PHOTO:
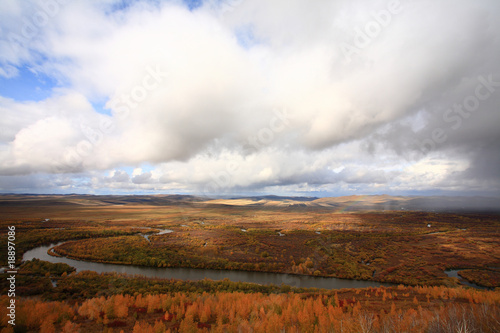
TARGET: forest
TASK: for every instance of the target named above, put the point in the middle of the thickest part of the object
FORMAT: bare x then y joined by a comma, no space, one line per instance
397,309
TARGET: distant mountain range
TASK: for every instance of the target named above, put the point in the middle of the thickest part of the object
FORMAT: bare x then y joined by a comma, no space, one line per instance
374,202
352,203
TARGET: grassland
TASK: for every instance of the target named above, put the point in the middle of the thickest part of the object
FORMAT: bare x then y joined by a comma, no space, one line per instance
411,248
414,248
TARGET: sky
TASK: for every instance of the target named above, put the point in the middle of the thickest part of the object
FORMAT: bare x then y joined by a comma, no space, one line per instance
242,97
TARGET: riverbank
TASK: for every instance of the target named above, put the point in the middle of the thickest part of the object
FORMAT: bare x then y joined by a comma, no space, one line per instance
192,274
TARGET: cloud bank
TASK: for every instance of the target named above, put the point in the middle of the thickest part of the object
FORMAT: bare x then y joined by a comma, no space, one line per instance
292,97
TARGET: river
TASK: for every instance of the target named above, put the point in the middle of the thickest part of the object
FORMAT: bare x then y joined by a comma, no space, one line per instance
300,281
453,273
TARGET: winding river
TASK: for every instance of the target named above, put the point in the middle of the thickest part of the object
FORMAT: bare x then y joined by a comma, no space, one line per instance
193,274
453,273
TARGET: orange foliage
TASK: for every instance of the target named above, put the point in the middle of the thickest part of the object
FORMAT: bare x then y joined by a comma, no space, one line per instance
256,312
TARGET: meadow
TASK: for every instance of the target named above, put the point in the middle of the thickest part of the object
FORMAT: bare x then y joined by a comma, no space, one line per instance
412,249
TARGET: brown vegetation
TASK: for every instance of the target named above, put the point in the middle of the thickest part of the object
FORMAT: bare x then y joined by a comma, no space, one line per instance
390,246
396,247
485,277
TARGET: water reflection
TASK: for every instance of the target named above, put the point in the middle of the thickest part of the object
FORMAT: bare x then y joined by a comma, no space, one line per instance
199,274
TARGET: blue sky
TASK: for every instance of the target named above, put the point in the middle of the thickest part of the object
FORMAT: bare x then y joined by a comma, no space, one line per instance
28,85
245,96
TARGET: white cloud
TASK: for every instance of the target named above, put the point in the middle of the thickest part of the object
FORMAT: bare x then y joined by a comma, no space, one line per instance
190,91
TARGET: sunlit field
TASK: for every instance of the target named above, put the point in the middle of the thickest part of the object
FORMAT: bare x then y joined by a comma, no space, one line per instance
413,250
